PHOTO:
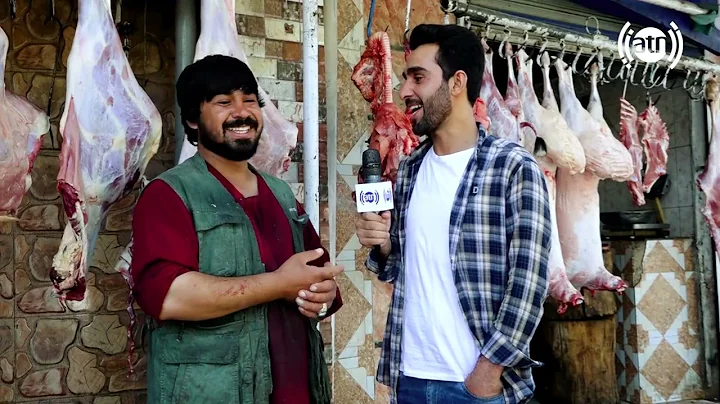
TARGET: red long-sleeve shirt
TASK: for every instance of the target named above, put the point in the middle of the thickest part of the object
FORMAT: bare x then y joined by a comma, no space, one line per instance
165,246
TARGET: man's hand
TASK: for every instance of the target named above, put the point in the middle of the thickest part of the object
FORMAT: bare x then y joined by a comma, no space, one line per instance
310,302
374,230
296,275
484,380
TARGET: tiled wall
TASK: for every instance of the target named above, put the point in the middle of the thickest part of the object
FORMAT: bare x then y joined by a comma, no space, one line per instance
659,357
77,353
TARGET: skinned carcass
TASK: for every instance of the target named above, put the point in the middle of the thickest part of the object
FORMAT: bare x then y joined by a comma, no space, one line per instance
22,126
556,145
578,201
709,180
392,134
110,130
512,100
480,113
655,141
505,124
629,137
219,36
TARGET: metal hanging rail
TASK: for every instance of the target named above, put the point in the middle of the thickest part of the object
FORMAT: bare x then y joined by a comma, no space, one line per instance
541,30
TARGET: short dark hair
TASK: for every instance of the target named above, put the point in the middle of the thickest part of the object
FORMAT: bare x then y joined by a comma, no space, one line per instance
458,49
206,78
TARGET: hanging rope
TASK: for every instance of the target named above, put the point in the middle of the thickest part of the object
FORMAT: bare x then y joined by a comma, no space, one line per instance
370,18
408,7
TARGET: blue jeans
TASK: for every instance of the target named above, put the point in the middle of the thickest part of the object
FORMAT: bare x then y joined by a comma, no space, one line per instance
420,391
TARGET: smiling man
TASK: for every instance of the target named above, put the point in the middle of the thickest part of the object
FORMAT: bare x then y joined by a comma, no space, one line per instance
467,244
225,262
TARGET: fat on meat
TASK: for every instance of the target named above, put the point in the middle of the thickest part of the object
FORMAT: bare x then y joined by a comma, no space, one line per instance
512,100
578,201
110,130
709,180
655,141
505,124
561,147
629,137
392,135
22,126
219,36
480,113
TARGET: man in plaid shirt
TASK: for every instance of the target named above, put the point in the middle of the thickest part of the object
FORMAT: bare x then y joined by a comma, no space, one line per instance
467,245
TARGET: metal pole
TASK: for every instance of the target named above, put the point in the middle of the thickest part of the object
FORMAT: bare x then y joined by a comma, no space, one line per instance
331,105
311,108
537,29
185,38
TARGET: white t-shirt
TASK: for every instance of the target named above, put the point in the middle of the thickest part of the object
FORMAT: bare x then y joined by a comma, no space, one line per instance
437,343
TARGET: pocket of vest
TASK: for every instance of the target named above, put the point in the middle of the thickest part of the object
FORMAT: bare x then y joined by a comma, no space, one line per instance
208,368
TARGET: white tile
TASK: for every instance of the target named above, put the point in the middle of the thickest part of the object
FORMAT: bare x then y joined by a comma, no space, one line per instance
346,255
263,67
253,46
353,243
320,2
349,267
355,39
358,337
291,175
368,292
282,30
370,389
291,110
350,180
356,277
349,352
369,323
281,90
354,157
344,169
299,191
349,363
360,376
352,56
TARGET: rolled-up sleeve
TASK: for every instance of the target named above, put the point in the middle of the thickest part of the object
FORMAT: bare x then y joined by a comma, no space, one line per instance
529,231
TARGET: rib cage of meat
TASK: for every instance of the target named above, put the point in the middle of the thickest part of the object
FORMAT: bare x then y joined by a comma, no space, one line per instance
219,35
709,180
629,138
578,201
504,124
655,141
392,134
526,131
561,142
22,126
110,129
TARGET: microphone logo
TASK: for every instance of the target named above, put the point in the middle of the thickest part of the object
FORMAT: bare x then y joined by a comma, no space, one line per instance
650,45
369,197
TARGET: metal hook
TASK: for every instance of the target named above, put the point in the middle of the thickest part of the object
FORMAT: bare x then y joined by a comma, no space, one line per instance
542,49
592,57
631,72
597,26
523,45
486,34
574,62
697,95
653,82
685,82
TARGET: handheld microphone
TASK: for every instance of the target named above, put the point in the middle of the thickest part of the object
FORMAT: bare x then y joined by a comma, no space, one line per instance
374,194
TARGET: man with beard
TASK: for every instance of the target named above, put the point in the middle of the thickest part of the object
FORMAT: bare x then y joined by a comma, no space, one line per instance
467,244
225,262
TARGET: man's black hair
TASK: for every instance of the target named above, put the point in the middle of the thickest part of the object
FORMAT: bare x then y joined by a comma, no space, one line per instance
207,78
458,49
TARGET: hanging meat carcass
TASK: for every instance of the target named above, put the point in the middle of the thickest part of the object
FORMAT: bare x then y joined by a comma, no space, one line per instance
22,126
655,141
629,137
219,36
480,113
561,148
505,124
110,130
512,100
578,201
709,181
392,134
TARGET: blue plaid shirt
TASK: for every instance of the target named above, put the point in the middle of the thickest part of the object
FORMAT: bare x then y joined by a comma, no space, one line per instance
499,245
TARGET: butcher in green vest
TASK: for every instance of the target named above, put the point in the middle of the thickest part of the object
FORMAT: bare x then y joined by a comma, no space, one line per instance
225,262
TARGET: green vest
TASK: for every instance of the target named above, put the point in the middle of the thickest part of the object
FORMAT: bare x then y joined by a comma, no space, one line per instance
224,360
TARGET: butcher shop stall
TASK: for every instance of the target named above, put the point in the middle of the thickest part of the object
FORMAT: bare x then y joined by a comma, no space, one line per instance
628,142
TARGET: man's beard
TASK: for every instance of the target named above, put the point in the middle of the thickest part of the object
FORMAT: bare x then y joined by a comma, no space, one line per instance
231,149
435,110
